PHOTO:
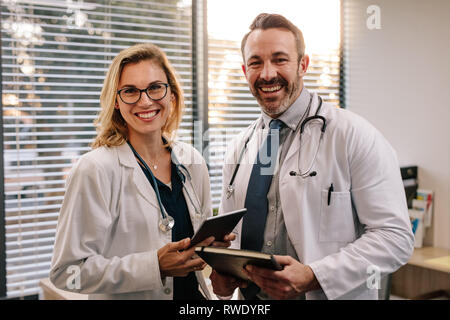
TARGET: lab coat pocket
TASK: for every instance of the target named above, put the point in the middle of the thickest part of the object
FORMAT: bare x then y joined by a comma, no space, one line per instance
336,218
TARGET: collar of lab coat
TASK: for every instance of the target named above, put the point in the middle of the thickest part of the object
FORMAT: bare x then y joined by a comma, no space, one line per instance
127,159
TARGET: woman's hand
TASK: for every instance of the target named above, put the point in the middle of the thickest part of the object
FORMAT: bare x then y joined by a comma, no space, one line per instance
175,261
225,242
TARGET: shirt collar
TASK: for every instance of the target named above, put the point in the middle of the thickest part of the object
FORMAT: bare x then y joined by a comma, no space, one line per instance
292,116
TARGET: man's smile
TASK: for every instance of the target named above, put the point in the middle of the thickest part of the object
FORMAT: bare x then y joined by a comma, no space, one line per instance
270,89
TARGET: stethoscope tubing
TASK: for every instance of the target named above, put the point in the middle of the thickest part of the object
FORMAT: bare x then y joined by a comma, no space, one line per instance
230,188
179,166
166,218
155,184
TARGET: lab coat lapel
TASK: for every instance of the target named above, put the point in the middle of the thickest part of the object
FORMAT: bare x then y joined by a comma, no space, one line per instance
292,196
246,164
189,192
182,156
127,159
292,189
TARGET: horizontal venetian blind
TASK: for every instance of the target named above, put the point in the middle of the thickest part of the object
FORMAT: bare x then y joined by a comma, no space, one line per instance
55,55
232,107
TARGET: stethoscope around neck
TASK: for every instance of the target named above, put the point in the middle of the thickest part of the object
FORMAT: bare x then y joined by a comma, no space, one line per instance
167,222
303,123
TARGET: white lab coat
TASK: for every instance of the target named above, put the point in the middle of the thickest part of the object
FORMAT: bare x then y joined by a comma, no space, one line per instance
109,226
365,228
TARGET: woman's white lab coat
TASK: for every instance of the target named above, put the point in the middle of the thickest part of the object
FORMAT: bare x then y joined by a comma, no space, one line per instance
365,228
108,230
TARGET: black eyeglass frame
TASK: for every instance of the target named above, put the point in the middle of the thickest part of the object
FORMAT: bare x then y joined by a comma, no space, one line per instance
166,85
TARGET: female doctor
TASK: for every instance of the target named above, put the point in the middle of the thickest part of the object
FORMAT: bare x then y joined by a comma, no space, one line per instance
132,203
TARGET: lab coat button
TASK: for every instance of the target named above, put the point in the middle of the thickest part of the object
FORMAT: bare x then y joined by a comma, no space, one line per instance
167,291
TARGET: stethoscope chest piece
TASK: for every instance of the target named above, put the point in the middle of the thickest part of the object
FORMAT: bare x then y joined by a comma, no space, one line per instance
166,224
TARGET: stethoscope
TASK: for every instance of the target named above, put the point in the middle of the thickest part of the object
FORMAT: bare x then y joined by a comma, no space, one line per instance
307,173
167,222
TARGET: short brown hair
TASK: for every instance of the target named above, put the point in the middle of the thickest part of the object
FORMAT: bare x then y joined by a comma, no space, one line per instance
111,127
266,21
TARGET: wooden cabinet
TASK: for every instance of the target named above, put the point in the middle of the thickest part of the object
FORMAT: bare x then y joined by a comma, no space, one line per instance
425,276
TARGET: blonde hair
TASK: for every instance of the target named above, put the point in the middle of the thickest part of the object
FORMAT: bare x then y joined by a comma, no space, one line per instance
111,127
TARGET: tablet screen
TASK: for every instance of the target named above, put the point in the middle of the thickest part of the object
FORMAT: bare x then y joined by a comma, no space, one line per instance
218,226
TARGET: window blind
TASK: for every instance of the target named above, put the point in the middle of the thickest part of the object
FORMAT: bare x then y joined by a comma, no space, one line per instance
55,55
232,108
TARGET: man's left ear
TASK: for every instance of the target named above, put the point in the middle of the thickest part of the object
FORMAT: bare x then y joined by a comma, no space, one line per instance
303,66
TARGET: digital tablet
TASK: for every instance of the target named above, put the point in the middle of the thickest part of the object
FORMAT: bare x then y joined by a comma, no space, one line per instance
233,261
218,226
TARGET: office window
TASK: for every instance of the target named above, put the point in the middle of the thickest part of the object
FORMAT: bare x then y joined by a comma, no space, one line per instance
231,106
55,54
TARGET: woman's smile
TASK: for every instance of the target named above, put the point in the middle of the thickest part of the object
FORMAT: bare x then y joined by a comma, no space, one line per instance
149,115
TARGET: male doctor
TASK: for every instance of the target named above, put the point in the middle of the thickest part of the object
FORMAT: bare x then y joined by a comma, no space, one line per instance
332,208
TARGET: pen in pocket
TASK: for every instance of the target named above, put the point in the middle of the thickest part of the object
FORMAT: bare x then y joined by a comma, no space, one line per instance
330,190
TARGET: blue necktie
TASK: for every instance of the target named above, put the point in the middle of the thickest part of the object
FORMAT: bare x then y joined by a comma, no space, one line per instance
254,222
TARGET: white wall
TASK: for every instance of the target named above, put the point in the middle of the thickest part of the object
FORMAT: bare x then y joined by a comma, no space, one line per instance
398,77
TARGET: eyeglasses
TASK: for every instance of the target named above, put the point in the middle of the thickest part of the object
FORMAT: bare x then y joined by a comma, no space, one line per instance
155,91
